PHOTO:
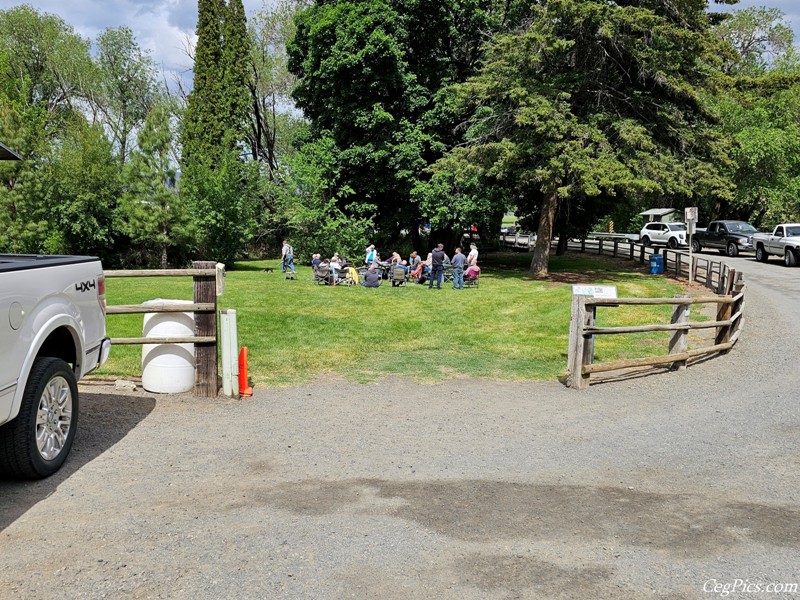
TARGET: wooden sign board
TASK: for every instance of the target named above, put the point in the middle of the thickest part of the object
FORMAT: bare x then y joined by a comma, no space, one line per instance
595,291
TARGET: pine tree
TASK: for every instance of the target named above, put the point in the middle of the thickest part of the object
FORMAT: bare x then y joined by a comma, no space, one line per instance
216,183
234,60
202,127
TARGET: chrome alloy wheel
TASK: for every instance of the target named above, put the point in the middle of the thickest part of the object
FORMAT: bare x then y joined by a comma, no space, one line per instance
53,417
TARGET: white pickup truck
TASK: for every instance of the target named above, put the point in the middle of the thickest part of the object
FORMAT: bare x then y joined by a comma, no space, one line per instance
783,241
52,332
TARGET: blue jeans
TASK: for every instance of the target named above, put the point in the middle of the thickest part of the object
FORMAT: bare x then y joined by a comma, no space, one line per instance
436,274
288,263
458,278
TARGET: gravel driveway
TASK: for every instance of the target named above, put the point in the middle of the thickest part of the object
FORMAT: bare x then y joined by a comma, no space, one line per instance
661,486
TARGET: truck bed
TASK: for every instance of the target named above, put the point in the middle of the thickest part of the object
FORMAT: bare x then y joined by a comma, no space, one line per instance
22,262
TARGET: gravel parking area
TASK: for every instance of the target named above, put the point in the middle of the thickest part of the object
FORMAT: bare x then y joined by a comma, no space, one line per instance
660,486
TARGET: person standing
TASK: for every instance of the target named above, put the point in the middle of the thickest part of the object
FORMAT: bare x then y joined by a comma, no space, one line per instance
472,257
370,257
458,262
438,258
287,258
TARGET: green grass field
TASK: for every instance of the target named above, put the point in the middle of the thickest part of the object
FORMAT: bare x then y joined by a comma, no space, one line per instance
512,327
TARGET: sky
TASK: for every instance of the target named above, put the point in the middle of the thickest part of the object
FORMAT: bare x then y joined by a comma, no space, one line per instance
166,27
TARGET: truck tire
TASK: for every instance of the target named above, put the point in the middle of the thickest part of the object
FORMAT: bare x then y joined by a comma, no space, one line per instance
696,246
761,254
732,250
37,442
673,243
789,258
645,241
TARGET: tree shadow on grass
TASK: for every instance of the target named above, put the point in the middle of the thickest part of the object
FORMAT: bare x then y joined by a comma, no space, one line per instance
570,268
104,420
254,265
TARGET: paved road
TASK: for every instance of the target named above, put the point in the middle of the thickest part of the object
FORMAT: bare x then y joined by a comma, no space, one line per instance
667,486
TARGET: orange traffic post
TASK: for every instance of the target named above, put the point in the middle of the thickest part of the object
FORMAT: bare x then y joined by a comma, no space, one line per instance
244,388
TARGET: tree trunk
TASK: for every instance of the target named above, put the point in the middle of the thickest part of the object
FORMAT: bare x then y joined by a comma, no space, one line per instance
563,243
541,251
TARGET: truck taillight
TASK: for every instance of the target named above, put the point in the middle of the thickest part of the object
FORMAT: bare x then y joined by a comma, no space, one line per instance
101,292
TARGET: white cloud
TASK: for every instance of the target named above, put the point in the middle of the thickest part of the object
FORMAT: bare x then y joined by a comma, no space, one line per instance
164,27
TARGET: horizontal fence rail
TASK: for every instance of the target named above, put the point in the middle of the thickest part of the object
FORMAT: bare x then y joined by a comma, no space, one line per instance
204,306
716,275
711,273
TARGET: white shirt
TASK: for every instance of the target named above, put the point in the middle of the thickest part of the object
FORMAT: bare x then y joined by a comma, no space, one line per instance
472,257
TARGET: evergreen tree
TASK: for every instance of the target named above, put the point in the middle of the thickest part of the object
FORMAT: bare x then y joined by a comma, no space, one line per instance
234,61
203,127
216,183
150,213
593,103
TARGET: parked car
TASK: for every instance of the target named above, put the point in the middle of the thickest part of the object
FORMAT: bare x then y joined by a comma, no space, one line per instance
669,234
729,237
783,241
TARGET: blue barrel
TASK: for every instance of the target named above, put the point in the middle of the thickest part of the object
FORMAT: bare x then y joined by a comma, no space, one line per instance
656,264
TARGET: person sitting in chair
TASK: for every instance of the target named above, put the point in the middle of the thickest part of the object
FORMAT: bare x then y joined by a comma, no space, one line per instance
372,278
472,273
323,272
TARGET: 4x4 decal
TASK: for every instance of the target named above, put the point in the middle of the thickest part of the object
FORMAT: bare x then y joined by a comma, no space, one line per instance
85,286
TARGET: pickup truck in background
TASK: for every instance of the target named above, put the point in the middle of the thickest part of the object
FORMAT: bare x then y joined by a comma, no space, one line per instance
783,241
52,332
729,237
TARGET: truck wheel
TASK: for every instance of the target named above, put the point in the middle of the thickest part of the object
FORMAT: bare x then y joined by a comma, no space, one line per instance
761,255
733,250
645,241
673,243
37,442
696,246
789,258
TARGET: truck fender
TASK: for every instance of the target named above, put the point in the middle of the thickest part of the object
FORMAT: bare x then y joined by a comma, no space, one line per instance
62,320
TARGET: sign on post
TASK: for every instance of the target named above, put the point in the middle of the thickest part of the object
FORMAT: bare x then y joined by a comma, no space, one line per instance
691,220
595,291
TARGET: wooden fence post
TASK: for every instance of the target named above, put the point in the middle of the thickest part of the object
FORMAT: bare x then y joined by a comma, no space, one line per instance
679,338
678,265
205,324
616,246
577,344
641,254
723,331
583,244
738,287
631,249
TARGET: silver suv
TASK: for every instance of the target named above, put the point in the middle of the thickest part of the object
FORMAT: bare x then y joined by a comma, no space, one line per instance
670,234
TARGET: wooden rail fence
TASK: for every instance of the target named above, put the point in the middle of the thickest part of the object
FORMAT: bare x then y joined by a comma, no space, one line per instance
711,273
714,274
204,307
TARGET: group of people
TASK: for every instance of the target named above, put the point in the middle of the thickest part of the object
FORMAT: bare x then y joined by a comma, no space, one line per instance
430,270
337,269
333,270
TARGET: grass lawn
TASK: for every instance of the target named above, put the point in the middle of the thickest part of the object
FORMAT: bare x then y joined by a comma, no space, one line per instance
512,327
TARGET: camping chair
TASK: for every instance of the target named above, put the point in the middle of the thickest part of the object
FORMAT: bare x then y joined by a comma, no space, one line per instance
347,276
322,275
447,275
471,280
399,277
